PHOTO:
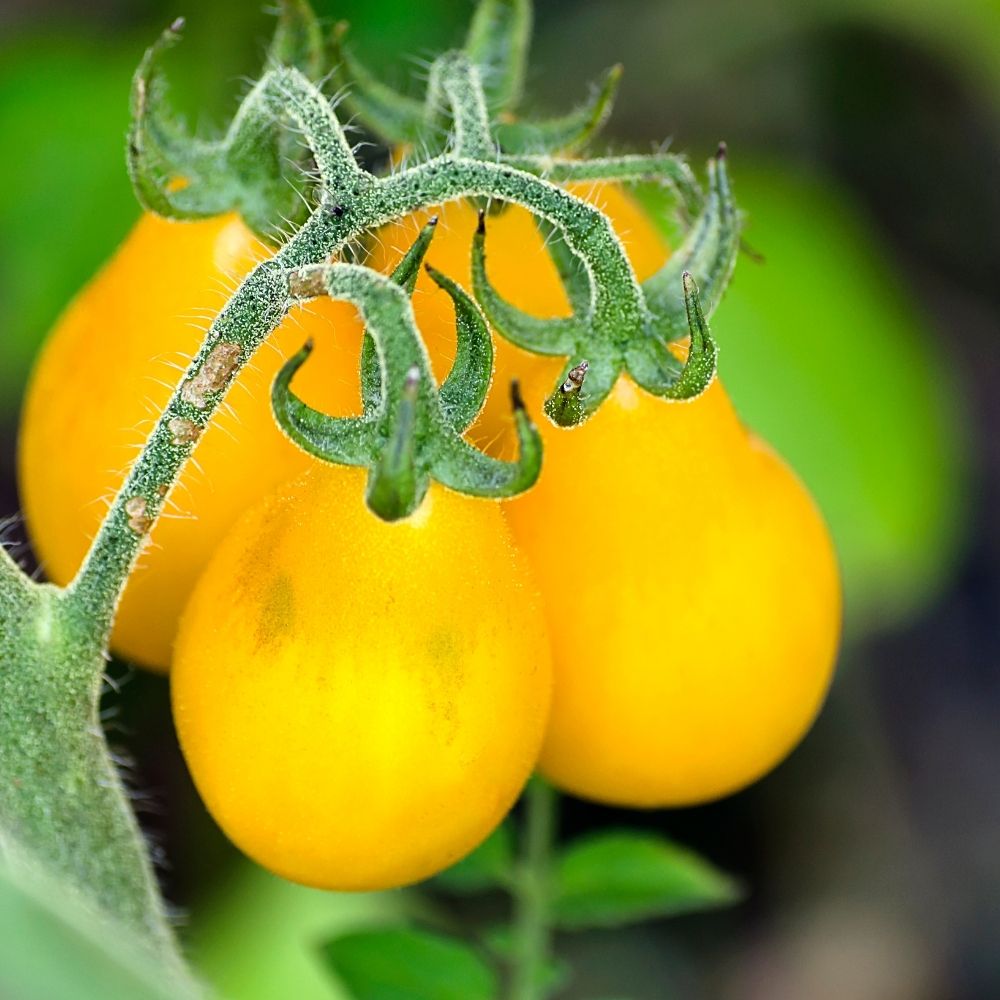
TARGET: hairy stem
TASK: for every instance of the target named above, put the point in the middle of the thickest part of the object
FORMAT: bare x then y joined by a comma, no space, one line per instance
532,894
357,205
64,809
617,302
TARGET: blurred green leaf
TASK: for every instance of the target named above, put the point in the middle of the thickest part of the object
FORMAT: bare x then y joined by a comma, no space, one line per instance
52,948
825,356
487,867
256,938
406,964
616,878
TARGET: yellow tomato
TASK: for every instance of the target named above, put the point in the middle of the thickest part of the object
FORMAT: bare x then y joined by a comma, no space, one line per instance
360,702
107,371
692,595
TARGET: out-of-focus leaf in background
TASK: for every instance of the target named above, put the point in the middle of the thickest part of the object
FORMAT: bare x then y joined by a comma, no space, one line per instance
51,949
259,937
828,358
409,964
55,167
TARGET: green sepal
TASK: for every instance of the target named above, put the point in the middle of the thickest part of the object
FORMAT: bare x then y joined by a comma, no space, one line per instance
658,371
395,485
593,342
464,391
708,252
466,469
405,275
346,440
596,348
298,39
497,42
566,133
496,53
552,336
172,173
394,117
411,437
257,168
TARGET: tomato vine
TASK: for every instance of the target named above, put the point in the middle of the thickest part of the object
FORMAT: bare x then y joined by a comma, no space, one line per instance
63,806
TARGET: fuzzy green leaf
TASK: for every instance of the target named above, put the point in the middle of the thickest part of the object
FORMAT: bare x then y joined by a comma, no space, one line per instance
406,964
53,948
617,878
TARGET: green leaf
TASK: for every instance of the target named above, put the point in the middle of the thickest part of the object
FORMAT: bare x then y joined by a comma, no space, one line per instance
52,947
405,964
490,865
611,879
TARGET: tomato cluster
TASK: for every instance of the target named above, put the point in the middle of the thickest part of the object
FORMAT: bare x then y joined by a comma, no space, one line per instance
653,624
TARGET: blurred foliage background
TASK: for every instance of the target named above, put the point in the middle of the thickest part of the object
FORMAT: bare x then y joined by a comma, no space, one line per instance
865,137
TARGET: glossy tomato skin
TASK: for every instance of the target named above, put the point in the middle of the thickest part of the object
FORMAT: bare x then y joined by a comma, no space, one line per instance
692,595
359,702
107,370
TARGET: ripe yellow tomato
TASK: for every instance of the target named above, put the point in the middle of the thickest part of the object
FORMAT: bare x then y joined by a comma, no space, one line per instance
692,595
106,372
360,702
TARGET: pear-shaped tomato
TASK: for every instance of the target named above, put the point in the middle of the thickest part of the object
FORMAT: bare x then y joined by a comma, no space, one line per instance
104,375
360,702
692,596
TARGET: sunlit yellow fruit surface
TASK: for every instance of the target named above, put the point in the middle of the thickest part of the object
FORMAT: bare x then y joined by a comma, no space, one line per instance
359,702
692,596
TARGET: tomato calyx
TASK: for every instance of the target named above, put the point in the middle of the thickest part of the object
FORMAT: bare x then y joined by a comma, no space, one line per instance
257,167
707,256
410,430
497,44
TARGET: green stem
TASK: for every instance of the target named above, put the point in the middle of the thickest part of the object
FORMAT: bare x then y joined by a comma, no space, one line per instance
533,892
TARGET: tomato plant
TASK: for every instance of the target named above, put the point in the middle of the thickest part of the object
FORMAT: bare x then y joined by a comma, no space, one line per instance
361,679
